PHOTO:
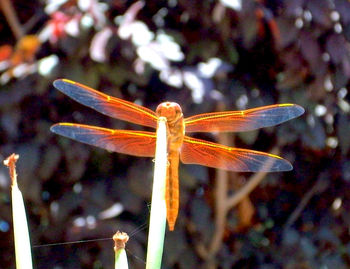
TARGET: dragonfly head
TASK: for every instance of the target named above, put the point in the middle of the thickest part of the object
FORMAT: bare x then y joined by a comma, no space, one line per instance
172,111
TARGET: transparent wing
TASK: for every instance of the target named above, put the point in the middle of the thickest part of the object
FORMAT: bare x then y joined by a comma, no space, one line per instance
245,120
196,151
137,143
108,105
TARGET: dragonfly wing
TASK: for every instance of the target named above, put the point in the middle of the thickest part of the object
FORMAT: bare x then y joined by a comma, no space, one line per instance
136,143
105,104
245,120
196,151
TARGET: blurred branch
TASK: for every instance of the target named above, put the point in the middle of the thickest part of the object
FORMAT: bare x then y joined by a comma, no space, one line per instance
319,187
221,203
224,203
11,17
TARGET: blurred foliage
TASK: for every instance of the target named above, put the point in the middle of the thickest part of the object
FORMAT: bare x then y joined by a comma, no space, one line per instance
203,55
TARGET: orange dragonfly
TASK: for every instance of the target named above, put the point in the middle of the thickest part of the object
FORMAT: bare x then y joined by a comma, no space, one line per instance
180,147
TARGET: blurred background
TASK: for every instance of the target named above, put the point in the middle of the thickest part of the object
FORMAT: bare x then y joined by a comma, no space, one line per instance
207,56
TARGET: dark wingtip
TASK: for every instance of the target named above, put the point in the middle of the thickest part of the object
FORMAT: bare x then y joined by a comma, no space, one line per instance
288,167
53,128
282,165
299,110
63,85
57,83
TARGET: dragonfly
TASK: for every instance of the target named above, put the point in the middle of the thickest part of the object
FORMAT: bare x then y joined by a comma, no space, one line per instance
179,146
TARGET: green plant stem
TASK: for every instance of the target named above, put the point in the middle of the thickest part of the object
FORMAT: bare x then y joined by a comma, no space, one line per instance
158,206
20,225
121,260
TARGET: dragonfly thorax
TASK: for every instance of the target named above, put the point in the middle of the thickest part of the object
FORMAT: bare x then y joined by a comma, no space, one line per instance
172,111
